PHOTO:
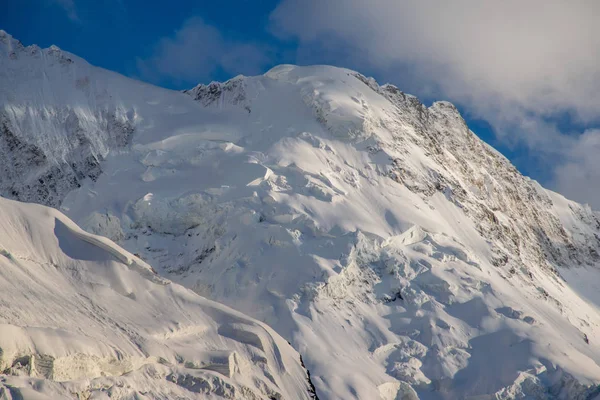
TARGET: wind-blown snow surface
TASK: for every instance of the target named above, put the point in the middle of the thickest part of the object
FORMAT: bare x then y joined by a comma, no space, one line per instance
82,318
399,254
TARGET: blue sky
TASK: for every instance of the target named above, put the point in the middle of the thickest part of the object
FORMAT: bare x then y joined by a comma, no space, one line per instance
523,84
114,33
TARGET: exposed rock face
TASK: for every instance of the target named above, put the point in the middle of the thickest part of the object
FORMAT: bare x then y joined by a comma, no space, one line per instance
510,210
32,175
218,94
55,126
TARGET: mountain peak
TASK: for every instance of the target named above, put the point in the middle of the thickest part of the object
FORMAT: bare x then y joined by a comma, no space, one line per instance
12,49
8,44
391,246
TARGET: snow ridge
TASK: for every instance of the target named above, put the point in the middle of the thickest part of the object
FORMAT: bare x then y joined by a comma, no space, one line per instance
82,317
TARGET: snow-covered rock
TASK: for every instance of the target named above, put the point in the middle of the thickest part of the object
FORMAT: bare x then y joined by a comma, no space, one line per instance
402,256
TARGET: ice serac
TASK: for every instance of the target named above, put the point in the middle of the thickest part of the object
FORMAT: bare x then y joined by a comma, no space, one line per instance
403,257
82,318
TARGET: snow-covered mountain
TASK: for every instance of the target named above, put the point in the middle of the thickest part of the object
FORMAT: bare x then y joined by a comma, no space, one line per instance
403,257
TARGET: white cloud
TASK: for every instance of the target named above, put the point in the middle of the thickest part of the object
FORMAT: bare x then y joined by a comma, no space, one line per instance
521,65
543,53
196,51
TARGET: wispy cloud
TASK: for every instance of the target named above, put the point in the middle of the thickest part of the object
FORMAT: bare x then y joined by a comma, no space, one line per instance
195,51
524,66
70,9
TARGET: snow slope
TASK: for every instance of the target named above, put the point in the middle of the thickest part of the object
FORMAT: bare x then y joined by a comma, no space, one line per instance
82,318
399,254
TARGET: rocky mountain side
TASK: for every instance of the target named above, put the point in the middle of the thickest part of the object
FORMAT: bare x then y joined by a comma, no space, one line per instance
58,133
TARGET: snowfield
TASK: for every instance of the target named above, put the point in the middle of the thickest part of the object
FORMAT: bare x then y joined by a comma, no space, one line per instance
400,255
